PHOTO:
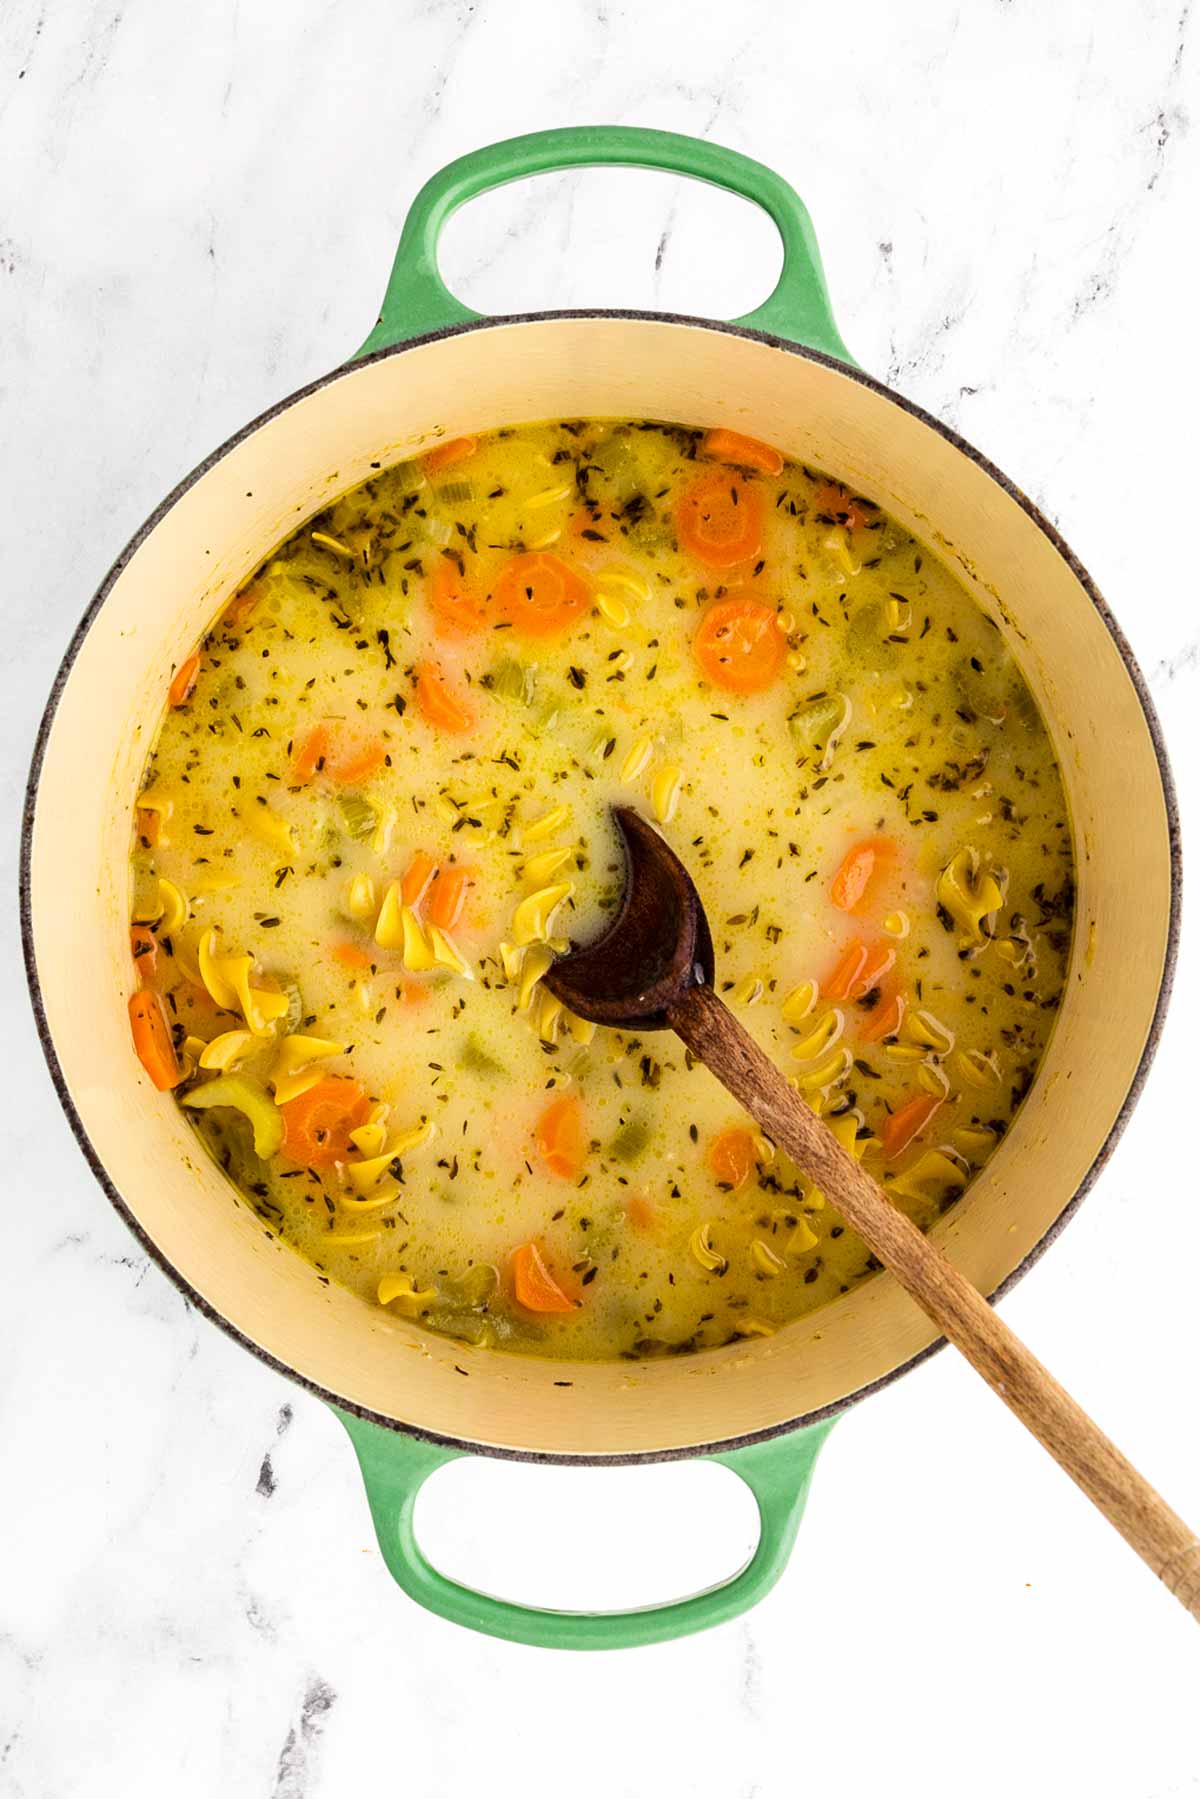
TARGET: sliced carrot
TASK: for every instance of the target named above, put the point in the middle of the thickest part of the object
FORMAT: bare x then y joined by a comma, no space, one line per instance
449,895
454,450
739,645
415,993
143,946
347,764
241,610
359,765
459,612
534,1287
350,955
730,1157
745,452
639,1209
417,876
312,755
859,866
859,968
317,1124
438,705
832,501
149,826
560,1137
180,690
540,595
720,520
152,1040
885,1019
907,1122
843,976
587,528
881,959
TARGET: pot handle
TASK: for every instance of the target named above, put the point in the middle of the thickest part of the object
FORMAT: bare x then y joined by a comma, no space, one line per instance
396,1466
417,301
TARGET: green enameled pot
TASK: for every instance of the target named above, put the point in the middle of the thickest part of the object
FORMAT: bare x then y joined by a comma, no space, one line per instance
432,369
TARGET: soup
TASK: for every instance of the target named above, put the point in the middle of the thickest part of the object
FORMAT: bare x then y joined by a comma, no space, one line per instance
379,804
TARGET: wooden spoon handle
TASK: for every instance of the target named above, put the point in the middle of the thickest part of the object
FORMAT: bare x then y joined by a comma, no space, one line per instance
1113,1485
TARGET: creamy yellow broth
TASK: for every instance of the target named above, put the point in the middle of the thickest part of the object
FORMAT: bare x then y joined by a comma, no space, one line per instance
344,719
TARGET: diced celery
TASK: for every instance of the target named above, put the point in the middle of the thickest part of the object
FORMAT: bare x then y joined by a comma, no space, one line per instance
249,1097
473,1055
478,1285
359,815
454,493
464,1327
544,720
869,639
147,902
815,721
513,681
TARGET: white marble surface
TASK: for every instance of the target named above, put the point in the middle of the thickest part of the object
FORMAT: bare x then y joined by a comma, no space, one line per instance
198,206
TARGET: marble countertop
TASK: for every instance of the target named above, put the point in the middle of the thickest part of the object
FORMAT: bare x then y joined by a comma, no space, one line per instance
199,209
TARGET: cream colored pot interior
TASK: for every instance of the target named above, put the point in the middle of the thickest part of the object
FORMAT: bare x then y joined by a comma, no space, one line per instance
253,496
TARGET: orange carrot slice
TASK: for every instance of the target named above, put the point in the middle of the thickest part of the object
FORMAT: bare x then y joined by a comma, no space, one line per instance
588,529
454,450
534,1287
841,979
639,1209
438,705
907,1122
143,945
719,519
730,1157
859,968
859,866
457,610
745,452
739,645
559,1137
885,1019
350,955
241,609
540,595
832,501
317,1124
311,756
152,1040
347,764
417,876
358,765
449,896
180,690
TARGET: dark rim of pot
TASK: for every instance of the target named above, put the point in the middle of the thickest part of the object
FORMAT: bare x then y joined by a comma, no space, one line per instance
725,1444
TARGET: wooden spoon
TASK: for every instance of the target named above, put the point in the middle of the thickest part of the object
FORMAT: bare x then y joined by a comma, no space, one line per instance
654,971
